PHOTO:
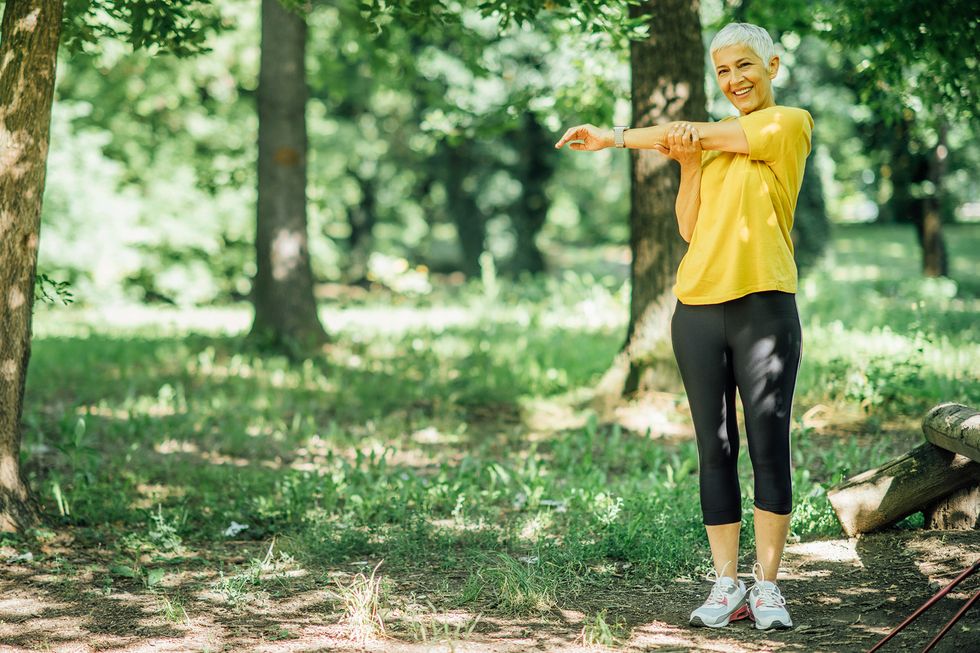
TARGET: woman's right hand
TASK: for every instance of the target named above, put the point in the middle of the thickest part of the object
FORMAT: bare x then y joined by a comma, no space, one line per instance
683,144
592,138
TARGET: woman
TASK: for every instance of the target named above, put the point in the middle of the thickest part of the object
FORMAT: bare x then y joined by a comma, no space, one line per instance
736,324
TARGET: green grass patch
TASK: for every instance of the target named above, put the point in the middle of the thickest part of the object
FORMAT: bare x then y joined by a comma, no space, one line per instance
167,438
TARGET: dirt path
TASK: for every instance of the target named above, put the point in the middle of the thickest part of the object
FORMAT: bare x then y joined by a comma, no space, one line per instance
844,595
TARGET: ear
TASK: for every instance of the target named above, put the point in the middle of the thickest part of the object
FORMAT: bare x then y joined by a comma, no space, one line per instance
773,67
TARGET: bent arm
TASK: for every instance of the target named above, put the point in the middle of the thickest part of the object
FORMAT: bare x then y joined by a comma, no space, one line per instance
725,136
688,201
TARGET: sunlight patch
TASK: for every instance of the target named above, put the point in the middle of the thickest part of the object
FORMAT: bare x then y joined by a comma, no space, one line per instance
828,551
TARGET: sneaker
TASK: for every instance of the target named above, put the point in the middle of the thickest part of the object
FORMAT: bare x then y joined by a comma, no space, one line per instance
767,607
725,603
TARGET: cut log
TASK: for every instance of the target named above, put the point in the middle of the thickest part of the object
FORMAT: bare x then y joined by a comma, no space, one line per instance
880,497
954,427
960,511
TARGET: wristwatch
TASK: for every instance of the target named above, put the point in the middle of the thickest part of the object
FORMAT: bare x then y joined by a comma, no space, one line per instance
618,136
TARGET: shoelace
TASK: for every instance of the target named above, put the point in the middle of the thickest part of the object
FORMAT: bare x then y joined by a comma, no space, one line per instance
717,594
717,590
767,591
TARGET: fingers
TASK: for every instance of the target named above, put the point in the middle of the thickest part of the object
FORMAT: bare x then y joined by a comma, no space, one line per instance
576,132
565,137
683,136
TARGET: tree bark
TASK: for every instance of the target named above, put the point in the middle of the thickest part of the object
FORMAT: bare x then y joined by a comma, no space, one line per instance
960,511
29,36
534,170
667,84
954,427
285,307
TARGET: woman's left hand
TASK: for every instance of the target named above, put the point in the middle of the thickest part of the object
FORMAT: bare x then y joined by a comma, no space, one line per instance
683,144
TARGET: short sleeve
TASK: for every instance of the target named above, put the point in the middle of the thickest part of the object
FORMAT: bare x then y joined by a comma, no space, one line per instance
778,133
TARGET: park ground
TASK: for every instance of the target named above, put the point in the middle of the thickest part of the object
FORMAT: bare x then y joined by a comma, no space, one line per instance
443,478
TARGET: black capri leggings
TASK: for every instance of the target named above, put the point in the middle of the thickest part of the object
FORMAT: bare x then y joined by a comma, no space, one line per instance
752,343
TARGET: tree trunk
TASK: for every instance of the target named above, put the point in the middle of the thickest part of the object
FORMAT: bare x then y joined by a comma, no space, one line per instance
668,84
934,259
29,38
906,170
471,223
361,219
285,308
534,170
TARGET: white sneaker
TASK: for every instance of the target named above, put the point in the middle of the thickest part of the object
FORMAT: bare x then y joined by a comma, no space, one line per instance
767,607
725,603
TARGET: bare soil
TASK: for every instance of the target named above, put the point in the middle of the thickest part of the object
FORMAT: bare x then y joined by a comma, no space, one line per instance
844,595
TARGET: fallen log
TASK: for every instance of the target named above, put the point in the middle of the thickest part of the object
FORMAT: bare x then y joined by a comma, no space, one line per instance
954,427
940,478
960,511
880,497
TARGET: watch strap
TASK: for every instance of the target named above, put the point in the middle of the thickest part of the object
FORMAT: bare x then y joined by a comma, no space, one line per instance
618,137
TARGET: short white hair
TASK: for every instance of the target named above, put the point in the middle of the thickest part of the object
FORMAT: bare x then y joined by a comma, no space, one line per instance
747,34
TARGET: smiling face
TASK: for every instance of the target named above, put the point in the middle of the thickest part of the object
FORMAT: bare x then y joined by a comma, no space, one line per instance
744,78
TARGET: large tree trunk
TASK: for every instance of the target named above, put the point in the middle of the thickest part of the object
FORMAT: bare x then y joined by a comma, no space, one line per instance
29,39
285,308
535,168
668,84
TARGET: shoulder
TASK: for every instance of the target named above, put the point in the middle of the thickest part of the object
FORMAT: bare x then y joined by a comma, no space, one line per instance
791,116
780,115
779,123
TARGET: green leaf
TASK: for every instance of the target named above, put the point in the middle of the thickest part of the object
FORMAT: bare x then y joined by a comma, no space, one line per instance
154,576
123,570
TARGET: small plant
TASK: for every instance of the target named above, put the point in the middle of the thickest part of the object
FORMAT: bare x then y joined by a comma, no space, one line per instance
236,588
427,629
149,577
161,535
364,599
512,586
599,632
174,610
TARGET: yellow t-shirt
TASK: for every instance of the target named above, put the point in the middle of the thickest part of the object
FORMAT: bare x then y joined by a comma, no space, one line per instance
741,242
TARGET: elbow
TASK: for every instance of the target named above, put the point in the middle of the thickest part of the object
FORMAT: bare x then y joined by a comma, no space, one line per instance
685,234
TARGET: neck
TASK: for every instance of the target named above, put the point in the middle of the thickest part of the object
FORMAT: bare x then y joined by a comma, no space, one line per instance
770,101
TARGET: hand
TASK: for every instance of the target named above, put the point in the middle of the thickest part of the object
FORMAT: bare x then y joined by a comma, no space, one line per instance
586,137
683,144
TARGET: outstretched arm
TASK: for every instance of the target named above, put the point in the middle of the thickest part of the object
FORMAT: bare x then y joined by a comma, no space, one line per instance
725,136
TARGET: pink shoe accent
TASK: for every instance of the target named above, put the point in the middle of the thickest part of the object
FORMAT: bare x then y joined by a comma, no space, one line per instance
741,613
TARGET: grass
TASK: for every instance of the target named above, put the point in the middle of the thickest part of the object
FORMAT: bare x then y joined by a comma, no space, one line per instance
364,599
150,435
598,632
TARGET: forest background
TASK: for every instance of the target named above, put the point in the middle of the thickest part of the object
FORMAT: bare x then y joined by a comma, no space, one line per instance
454,406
